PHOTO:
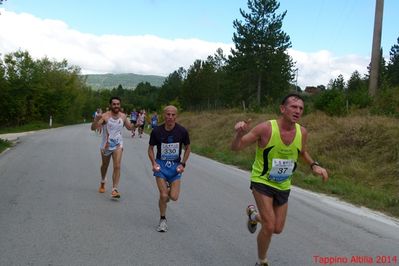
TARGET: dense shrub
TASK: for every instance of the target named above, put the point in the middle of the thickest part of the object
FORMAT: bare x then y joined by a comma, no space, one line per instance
387,102
332,102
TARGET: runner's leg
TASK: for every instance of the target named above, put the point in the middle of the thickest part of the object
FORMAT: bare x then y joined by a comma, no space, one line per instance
116,160
281,214
267,220
163,195
104,166
175,190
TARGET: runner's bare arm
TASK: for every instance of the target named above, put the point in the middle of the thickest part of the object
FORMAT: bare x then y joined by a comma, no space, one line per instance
187,151
151,155
316,169
127,123
243,138
98,121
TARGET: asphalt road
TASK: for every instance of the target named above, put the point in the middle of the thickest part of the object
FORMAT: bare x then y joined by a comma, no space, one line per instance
52,214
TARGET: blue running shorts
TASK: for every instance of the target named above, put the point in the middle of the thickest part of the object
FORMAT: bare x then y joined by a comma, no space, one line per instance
168,170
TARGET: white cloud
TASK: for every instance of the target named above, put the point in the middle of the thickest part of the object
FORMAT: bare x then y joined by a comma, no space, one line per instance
320,67
144,54
100,54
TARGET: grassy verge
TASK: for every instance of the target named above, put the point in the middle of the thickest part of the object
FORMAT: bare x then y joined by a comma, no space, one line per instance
361,153
4,144
28,127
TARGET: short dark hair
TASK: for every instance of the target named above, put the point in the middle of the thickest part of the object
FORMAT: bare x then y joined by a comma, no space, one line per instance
114,98
295,95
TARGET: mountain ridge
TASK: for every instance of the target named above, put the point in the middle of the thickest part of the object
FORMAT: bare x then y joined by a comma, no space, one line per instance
127,80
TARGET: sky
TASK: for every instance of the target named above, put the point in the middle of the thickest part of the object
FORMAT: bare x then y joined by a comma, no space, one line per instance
156,37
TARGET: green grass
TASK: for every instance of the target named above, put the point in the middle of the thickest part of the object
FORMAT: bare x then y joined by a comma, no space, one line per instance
27,127
4,144
360,152
355,192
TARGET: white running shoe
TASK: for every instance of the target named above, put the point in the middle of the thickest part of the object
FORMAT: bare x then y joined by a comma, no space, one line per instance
162,227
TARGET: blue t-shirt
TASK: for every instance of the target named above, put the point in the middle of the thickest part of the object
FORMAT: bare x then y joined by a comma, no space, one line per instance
133,116
154,121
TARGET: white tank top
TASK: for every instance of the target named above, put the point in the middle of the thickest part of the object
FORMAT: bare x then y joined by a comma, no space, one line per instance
112,137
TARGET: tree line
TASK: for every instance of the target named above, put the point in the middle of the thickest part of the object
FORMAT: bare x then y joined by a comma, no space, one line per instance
340,96
256,74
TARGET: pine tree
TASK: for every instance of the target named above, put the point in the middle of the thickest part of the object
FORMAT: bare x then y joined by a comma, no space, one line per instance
393,65
260,56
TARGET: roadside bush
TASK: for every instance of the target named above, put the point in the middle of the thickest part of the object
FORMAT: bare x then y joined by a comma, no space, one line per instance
387,102
332,102
359,99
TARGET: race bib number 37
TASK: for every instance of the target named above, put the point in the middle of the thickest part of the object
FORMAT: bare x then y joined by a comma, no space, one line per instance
281,170
169,151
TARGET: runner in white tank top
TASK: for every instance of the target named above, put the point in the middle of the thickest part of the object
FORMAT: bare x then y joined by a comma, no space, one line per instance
112,123
112,137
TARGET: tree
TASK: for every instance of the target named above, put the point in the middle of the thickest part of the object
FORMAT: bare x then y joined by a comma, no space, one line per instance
354,82
217,64
337,84
260,56
32,90
382,78
196,86
357,91
145,96
393,65
171,89
204,87
20,73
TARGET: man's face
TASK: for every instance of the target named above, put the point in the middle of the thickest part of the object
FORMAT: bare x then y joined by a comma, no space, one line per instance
170,116
293,109
115,106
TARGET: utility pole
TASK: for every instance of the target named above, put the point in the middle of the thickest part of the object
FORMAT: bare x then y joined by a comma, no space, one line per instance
375,52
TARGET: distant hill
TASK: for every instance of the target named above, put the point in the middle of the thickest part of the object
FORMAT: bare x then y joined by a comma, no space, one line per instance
127,80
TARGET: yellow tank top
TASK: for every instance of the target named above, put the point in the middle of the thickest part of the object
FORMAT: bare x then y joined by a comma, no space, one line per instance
275,163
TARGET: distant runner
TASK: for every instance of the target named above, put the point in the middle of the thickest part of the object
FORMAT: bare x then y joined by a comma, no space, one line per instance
98,112
133,121
112,142
168,166
141,122
154,120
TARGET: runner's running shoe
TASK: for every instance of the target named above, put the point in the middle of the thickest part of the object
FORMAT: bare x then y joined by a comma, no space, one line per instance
102,187
261,264
251,224
115,194
162,227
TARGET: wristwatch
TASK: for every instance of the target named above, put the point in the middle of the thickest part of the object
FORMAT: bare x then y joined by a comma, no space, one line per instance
313,164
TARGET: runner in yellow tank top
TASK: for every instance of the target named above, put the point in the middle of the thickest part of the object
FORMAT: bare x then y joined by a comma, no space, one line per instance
279,144
280,158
